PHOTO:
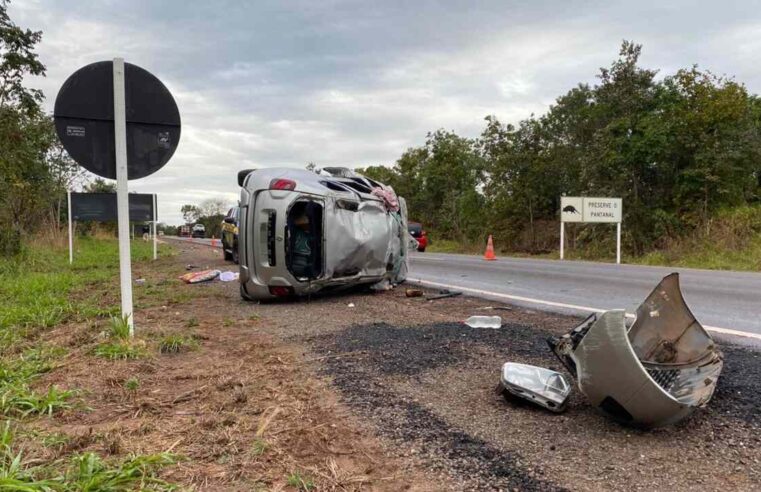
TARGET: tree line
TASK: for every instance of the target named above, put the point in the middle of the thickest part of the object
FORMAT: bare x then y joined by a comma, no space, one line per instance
35,170
677,149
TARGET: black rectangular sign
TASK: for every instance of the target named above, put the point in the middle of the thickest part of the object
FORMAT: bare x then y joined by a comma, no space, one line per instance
101,207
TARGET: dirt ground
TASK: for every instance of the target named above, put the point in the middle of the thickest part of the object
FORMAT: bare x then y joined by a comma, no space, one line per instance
392,393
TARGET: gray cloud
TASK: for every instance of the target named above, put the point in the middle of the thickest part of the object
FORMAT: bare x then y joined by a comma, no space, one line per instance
356,83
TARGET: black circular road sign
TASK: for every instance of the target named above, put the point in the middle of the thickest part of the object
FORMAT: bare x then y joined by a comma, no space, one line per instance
84,120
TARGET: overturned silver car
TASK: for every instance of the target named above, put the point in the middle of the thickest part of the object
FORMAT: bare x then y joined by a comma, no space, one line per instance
653,374
302,232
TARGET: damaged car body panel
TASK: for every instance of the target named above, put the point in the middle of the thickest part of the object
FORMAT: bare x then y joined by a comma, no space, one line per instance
303,232
655,373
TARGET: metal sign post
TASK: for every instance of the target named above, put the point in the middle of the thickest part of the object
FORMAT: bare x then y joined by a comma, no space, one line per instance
85,116
591,210
122,190
155,227
71,235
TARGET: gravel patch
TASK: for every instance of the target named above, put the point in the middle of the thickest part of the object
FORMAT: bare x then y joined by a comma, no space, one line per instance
430,388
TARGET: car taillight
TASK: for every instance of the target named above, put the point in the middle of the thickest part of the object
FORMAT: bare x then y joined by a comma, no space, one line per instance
282,184
280,291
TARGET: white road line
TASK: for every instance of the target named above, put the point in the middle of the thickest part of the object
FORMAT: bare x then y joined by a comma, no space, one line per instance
588,309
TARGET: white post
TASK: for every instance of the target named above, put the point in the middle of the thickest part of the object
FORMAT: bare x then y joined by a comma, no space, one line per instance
155,231
71,235
122,190
562,238
618,243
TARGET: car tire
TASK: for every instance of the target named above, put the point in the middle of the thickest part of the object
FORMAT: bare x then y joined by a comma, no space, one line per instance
227,255
235,254
422,250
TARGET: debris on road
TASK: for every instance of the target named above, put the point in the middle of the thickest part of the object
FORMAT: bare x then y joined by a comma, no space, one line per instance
656,373
484,322
139,281
202,276
443,294
413,293
544,387
190,267
229,276
351,305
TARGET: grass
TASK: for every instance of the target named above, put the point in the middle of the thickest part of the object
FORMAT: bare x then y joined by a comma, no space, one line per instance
259,447
730,240
83,473
132,385
301,482
37,287
192,322
120,350
172,344
17,399
119,327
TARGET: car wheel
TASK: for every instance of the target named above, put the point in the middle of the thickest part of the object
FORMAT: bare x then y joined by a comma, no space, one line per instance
235,254
422,250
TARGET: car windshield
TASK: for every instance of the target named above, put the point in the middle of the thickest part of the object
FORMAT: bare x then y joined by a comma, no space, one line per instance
415,229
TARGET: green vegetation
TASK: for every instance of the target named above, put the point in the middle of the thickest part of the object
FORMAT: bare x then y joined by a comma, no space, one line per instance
37,287
132,385
120,351
85,472
683,151
17,399
301,482
259,447
172,344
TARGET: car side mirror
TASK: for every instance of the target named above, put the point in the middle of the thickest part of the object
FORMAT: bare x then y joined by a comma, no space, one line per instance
229,220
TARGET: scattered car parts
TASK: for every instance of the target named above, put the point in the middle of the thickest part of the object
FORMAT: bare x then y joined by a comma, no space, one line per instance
656,373
543,387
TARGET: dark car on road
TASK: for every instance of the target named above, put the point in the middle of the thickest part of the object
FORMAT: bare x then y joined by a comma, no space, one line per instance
230,234
417,231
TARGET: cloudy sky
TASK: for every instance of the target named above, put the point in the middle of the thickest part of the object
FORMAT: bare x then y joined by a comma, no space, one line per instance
283,83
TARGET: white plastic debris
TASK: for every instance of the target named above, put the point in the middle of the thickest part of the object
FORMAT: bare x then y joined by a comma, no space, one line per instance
484,322
229,276
351,304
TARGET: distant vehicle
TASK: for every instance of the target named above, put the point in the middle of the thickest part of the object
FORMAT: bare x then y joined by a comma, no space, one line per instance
230,235
184,231
199,230
161,233
416,230
302,232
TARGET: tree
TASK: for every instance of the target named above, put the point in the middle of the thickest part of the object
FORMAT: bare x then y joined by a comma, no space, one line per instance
18,59
100,185
24,137
213,207
190,213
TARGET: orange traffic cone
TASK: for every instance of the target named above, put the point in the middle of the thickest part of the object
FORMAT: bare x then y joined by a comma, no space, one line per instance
489,254
213,242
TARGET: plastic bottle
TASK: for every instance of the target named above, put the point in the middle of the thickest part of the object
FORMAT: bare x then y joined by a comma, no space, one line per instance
484,322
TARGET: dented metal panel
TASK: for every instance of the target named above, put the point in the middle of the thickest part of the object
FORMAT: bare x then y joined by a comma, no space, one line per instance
361,240
655,373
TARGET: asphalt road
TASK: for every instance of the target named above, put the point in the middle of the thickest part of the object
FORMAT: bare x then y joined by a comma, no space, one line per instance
726,301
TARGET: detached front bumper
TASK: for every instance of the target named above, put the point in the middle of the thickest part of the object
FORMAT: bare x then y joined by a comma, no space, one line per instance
654,374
